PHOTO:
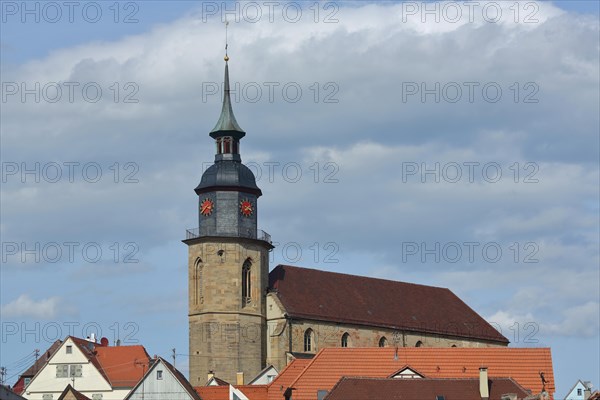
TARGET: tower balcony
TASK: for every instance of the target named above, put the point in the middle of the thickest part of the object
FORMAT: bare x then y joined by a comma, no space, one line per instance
257,234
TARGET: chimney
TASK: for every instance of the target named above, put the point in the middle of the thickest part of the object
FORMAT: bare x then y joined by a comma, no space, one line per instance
240,378
211,375
484,389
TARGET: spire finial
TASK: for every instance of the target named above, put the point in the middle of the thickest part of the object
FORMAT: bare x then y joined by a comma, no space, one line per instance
226,25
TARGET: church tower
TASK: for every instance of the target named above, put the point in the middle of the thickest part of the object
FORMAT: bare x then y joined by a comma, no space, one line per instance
228,264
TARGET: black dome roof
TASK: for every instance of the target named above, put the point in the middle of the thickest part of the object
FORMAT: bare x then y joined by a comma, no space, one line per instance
228,175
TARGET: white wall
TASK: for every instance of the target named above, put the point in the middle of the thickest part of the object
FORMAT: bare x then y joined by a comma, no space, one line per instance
91,381
573,395
167,388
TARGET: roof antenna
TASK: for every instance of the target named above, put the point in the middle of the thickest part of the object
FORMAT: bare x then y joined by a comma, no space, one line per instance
226,25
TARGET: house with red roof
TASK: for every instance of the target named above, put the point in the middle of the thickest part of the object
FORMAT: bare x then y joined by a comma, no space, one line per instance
96,370
317,377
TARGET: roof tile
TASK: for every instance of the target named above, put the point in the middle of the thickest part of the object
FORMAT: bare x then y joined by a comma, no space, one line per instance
331,364
415,389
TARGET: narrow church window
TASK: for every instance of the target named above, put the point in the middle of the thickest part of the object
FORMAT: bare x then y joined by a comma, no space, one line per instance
227,145
345,339
247,282
219,142
383,342
198,281
308,340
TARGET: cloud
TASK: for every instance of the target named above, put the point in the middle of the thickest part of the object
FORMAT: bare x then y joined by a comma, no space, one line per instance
26,307
580,321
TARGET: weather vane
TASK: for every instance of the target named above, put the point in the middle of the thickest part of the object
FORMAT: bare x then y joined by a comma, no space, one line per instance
226,25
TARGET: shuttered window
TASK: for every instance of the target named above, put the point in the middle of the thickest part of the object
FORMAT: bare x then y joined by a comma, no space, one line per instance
75,371
62,371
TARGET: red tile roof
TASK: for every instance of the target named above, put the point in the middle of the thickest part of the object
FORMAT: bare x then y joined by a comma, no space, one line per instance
123,365
331,364
286,377
253,392
327,296
417,389
213,392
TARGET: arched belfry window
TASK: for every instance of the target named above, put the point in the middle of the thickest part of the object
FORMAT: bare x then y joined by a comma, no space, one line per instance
419,344
226,145
198,281
247,282
345,339
309,340
383,342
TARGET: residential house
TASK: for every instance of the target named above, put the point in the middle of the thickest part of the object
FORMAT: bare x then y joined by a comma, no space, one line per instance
95,369
580,391
163,381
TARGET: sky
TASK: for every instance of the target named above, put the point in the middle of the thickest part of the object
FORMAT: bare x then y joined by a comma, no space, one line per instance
444,144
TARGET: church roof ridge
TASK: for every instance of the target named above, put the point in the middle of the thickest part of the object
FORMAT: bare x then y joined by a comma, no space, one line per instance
358,276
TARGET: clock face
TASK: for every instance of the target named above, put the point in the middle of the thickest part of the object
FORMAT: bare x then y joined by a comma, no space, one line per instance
206,207
246,208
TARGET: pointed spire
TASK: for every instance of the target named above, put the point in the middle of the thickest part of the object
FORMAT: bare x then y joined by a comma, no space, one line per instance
227,124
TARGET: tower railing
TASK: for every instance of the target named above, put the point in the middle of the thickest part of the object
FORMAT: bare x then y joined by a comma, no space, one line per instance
257,234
